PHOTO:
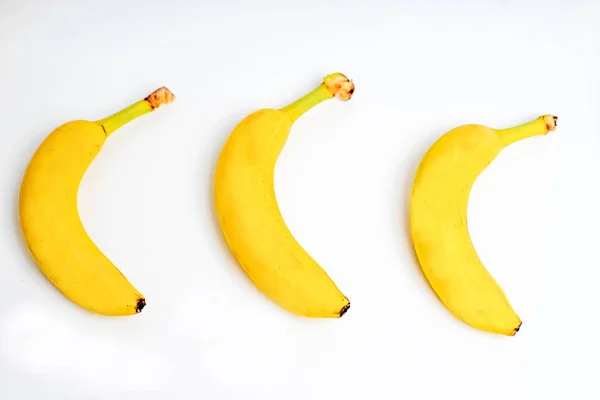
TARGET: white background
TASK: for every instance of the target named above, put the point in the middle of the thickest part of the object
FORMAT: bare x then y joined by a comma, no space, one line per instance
342,182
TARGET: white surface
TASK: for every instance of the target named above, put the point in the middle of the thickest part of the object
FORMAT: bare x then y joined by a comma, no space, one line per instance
342,182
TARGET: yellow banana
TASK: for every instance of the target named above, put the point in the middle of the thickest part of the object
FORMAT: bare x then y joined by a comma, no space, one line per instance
438,219
250,217
50,220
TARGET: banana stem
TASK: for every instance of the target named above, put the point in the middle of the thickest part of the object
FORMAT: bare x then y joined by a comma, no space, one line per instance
334,84
539,126
137,109
305,103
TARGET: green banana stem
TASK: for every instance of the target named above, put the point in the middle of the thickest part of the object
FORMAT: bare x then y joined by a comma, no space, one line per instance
539,126
137,109
305,103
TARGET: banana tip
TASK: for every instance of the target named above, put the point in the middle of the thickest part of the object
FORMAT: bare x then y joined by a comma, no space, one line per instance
344,310
517,329
140,305
550,121
338,84
159,97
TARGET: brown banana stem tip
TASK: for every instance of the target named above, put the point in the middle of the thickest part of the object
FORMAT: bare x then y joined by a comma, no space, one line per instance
338,84
159,97
550,121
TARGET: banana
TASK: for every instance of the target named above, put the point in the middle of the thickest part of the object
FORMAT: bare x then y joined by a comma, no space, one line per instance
438,220
251,220
50,220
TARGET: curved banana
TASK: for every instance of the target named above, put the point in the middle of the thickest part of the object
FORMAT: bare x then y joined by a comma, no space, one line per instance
50,220
250,217
438,219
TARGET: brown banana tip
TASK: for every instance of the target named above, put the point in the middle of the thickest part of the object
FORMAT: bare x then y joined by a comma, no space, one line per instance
159,97
550,121
517,328
140,305
344,310
338,84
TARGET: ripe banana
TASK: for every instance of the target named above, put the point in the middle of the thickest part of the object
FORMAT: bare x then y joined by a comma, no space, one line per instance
438,220
50,220
250,217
